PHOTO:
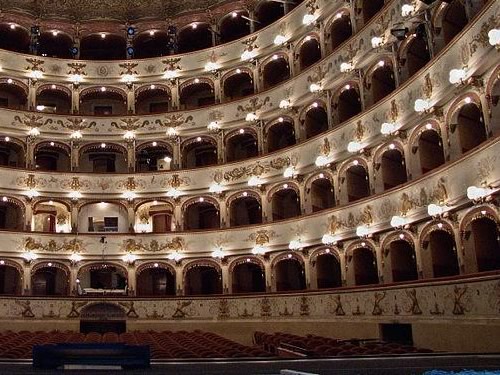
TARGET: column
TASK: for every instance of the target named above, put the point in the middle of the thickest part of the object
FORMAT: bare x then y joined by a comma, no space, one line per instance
132,280
75,100
73,275
174,88
179,225
30,153
176,157
74,217
269,276
131,99
179,282
131,216
223,212
226,287
31,95
307,272
28,216
75,156
27,280
218,88
131,155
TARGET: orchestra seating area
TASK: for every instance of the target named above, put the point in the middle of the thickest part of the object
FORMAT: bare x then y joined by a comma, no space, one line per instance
317,346
163,345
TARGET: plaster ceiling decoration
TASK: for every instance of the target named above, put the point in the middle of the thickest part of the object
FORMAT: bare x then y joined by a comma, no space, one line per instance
123,10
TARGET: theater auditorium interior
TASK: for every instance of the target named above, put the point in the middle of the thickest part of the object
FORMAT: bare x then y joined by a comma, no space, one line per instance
250,186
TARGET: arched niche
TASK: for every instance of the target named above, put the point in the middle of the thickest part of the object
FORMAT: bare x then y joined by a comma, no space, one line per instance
241,144
152,99
11,278
244,209
196,94
309,52
364,266
151,43
340,30
275,71
233,26
155,279
12,214
49,279
328,269
154,217
494,98
454,20
199,152
481,239
103,158
194,37
383,81
97,47
103,101
370,8
322,193
94,278
267,12
400,261
103,217
55,44
51,217
201,213
153,156
348,103
14,38
440,251
393,168
430,150
289,274
238,85
470,127
12,152
52,156
285,203
415,53
53,99
280,134
357,182
13,94
247,275
202,278
315,120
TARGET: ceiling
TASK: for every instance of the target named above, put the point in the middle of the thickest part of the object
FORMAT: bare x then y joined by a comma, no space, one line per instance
86,10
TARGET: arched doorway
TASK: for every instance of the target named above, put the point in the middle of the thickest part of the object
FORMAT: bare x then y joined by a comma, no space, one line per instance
358,185
403,261
14,38
10,279
153,99
481,237
203,279
280,135
309,53
340,30
103,158
322,194
443,253
103,46
151,43
364,263
431,151
154,217
13,95
382,81
49,279
315,121
285,204
348,104
248,277
370,8
245,210
233,26
103,101
156,279
53,99
290,275
275,71
238,85
417,53
328,271
199,152
11,153
194,37
454,20
55,44
201,214
53,156
393,168
241,145
470,126
11,215
268,12
100,278
153,156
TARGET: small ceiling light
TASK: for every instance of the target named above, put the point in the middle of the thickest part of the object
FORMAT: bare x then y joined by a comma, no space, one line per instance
7,139
151,33
194,26
468,100
285,186
55,32
4,199
377,41
275,57
428,126
280,40
196,80
103,89
494,37
198,139
155,144
407,10
381,63
234,14
457,76
242,131
152,87
103,145
52,144
103,35
238,71
53,87
245,194
422,105
12,26
9,81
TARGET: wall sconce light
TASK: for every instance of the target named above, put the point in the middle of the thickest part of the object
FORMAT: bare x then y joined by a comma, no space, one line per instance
399,222
494,37
377,41
388,128
129,258
218,253
346,67
363,231
457,76
422,105
175,256
251,116
75,258
29,256
279,40
435,210
285,104
478,194
255,181
354,147
329,239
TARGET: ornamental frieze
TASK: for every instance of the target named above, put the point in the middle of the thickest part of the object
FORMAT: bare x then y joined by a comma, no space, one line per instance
257,169
175,244
53,246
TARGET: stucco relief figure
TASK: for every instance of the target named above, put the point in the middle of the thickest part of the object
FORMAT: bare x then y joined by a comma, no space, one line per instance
265,307
223,309
377,310
131,313
459,307
414,306
26,312
339,309
179,312
75,309
304,306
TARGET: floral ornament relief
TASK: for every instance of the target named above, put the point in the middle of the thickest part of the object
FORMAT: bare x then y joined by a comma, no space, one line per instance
485,167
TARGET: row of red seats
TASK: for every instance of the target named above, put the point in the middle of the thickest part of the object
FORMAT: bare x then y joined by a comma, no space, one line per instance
319,346
163,345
